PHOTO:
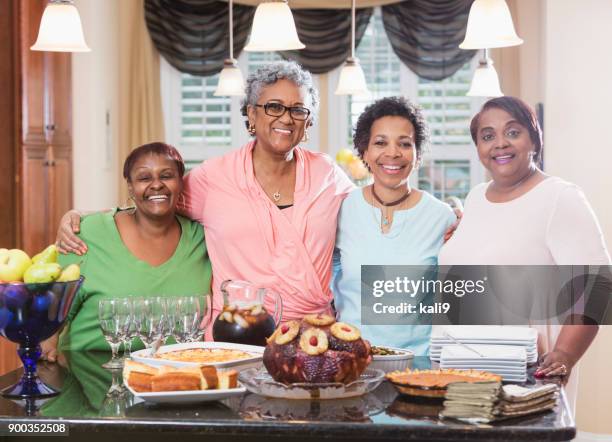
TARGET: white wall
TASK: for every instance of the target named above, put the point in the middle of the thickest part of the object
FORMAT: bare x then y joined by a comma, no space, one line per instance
578,147
578,89
95,91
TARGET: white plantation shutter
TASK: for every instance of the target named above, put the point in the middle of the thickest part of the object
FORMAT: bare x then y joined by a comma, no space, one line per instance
205,119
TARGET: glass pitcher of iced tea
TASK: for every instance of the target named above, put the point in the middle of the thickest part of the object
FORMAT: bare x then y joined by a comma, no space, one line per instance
244,318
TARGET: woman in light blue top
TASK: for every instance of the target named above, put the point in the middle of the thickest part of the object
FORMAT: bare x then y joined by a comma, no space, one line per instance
388,222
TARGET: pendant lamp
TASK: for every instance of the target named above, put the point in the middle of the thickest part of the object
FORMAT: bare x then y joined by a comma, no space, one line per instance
230,79
485,82
273,28
490,26
60,29
352,80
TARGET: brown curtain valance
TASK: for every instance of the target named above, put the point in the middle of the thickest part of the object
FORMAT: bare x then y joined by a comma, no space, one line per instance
425,34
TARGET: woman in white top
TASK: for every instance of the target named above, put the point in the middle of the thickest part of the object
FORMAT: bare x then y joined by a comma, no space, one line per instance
525,217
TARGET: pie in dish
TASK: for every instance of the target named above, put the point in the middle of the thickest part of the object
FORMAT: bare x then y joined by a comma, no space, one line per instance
433,383
205,355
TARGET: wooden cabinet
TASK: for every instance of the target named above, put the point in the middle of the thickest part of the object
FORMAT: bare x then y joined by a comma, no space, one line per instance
46,153
35,137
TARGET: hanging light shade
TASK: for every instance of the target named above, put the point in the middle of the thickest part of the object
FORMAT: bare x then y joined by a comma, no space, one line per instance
231,82
273,29
60,29
352,80
490,26
485,82
230,79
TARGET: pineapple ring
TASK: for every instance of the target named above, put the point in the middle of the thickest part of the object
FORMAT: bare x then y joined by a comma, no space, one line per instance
286,332
314,342
345,332
320,320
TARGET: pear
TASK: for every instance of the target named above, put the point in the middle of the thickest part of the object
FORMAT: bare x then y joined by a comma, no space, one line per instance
47,256
70,273
42,272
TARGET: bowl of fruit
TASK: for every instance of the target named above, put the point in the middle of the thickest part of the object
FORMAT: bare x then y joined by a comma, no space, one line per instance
35,298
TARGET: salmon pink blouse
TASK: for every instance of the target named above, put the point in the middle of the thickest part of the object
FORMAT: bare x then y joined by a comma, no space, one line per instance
249,238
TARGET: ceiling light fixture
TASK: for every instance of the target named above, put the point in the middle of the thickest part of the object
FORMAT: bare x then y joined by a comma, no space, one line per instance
490,26
352,79
60,29
231,82
485,82
273,28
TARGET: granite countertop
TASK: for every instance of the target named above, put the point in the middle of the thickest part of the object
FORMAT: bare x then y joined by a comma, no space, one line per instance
85,405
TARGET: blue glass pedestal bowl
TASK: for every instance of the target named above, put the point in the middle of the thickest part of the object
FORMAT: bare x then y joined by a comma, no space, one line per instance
29,314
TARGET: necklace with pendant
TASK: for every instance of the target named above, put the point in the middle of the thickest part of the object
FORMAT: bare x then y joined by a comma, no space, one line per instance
276,196
385,218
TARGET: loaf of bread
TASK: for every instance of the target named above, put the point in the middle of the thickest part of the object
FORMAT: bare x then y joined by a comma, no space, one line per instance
228,379
176,381
139,375
144,378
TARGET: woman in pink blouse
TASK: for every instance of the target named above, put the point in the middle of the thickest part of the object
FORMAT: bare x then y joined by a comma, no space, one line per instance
269,209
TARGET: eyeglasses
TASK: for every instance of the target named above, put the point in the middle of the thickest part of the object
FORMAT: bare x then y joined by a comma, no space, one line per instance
278,110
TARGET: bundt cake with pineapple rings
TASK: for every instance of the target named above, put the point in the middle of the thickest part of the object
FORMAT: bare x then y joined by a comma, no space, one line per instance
316,350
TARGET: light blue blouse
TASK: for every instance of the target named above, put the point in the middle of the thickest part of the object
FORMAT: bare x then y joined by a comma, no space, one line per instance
415,238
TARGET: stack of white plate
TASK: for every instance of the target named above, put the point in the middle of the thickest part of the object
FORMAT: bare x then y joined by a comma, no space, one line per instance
507,361
524,337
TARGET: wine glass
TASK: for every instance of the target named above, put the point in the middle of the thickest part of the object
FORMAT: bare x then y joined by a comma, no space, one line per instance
152,314
170,318
204,308
187,318
134,327
114,316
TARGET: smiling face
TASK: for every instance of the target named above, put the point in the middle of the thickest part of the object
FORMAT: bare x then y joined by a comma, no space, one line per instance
391,153
155,184
504,146
279,134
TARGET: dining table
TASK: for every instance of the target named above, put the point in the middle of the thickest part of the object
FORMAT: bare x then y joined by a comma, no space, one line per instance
94,405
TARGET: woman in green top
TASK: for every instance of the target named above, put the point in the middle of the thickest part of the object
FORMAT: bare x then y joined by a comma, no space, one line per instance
145,251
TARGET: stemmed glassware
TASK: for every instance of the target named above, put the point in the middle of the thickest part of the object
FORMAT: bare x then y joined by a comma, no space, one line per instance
114,316
192,317
204,306
134,327
152,314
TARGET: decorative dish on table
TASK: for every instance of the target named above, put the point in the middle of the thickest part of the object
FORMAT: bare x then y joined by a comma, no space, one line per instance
179,385
222,355
260,382
316,358
390,359
433,383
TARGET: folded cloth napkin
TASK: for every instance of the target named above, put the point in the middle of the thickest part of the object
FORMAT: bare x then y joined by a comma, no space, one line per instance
516,393
488,401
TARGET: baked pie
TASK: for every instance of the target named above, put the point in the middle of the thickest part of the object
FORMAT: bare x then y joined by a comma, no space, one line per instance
205,355
433,383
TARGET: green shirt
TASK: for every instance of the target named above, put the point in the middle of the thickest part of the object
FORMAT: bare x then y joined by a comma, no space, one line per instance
111,271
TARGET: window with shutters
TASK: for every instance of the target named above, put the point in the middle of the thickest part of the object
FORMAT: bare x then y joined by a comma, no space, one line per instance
203,126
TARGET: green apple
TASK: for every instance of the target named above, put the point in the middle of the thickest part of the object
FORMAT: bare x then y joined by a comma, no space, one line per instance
42,273
46,256
13,264
70,273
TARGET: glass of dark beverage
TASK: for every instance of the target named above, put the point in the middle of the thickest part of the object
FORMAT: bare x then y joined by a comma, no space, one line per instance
250,313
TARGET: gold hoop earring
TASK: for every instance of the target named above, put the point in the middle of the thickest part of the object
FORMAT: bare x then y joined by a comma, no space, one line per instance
251,129
305,136
181,200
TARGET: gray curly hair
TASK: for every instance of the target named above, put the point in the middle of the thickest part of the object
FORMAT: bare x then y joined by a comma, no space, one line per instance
279,70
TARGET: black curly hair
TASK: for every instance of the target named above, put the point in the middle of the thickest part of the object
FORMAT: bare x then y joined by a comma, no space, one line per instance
391,107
